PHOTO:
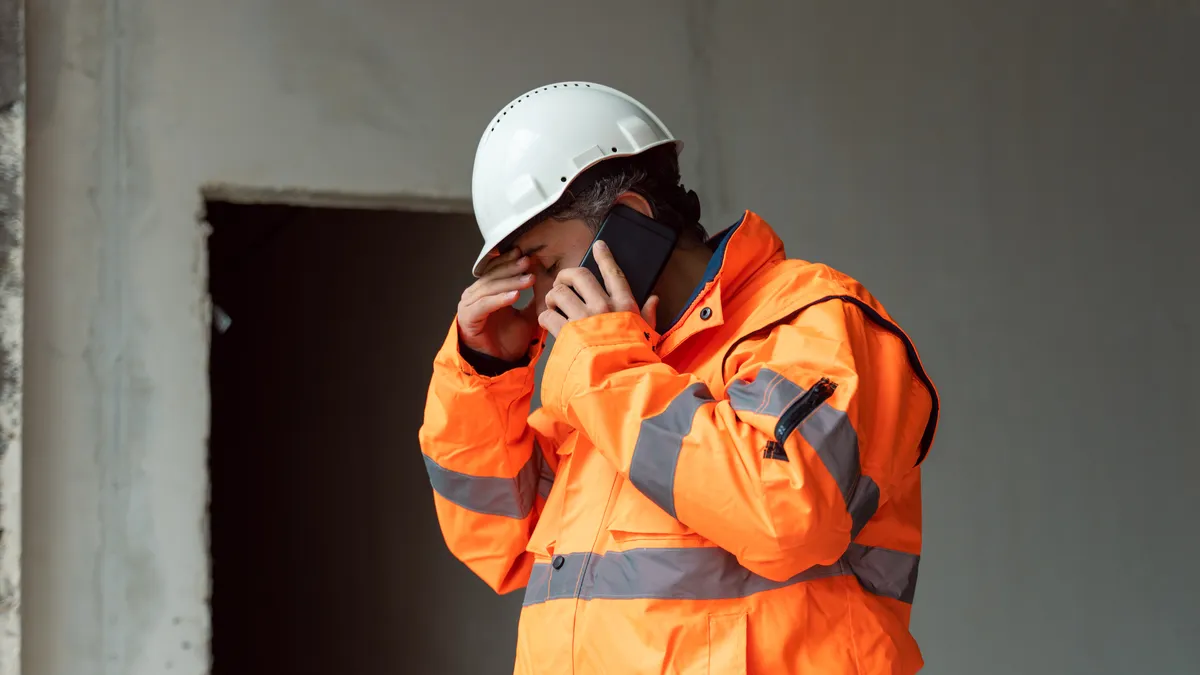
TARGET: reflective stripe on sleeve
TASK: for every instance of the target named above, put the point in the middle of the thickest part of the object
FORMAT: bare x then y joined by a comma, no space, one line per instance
659,442
508,497
827,430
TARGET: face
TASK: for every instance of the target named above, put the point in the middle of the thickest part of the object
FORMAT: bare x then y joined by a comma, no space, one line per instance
553,246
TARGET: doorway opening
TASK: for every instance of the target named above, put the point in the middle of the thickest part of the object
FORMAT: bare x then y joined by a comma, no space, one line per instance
325,550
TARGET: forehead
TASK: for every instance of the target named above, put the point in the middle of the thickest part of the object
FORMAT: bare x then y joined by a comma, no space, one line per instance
553,236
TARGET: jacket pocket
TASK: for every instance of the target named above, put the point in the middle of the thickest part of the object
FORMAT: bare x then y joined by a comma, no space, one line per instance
637,521
727,644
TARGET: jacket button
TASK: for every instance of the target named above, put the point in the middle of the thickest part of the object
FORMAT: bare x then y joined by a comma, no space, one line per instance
705,314
559,561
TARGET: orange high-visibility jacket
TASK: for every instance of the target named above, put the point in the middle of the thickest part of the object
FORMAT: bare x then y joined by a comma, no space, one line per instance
738,495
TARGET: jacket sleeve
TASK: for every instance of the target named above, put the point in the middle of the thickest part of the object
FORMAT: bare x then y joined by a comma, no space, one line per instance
490,463
771,470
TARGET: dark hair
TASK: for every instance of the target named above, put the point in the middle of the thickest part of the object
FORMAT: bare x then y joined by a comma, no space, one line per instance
653,174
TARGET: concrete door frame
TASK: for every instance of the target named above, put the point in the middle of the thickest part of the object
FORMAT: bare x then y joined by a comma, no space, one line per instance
12,295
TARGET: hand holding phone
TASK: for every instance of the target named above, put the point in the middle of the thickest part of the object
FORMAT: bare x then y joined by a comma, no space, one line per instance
639,246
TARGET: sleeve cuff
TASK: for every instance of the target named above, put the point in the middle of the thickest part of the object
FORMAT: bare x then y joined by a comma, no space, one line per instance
451,361
587,351
488,365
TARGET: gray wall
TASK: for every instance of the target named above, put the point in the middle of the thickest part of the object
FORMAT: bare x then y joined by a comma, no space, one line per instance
12,291
1012,179
135,106
1020,185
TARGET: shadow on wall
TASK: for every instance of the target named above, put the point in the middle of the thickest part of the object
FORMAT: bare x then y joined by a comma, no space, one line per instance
326,553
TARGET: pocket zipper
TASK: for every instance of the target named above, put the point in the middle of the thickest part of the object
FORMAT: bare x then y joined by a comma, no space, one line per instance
796,413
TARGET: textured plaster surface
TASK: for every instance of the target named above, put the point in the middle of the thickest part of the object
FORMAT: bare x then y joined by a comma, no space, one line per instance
12,173
139,107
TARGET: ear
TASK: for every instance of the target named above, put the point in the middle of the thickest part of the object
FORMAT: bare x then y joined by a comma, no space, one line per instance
636,202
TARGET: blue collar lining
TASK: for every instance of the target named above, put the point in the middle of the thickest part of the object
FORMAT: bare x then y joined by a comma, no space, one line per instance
718,243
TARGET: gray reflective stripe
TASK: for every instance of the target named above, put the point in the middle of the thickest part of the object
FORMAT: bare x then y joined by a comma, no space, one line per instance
706,574
827,430
883,571
509,497
769,393
547,583
659,442
545,473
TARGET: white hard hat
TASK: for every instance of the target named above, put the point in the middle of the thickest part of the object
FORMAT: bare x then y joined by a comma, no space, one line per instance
537,144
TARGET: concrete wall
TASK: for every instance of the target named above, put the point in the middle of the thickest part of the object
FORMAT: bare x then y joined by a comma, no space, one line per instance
134,106
1015,183
12,295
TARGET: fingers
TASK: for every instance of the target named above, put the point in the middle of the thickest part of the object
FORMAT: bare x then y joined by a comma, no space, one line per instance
481,301
507,258
564,298
650,311
552,321
577,294
500,286
486,305
587,286
487,287
614,279
506,268
499,278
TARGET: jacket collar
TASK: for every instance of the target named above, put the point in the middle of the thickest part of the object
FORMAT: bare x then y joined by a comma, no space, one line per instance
740,251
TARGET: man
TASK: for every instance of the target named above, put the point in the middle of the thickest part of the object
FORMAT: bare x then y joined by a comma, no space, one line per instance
724,480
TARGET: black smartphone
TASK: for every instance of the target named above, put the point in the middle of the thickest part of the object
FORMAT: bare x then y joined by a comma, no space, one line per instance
641,247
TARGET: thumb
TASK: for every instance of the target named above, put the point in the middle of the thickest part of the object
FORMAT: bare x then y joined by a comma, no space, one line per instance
650,311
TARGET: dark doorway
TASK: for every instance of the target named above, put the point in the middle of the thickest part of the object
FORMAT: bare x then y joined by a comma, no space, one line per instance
326,553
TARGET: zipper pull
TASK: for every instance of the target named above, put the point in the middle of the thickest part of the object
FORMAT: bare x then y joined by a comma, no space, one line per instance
804,406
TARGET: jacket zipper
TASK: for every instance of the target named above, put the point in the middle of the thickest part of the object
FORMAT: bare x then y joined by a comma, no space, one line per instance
802,408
